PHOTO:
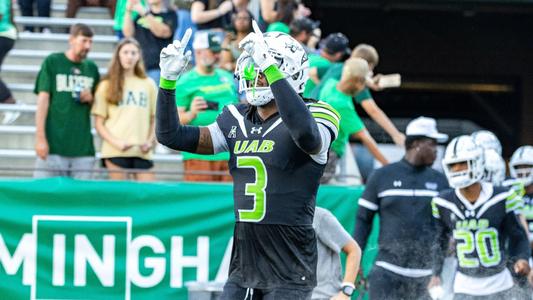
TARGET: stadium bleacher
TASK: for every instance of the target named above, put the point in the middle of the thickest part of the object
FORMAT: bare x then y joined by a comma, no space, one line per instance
20,69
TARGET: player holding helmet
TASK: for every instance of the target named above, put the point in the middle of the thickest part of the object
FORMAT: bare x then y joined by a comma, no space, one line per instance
479,217
278,147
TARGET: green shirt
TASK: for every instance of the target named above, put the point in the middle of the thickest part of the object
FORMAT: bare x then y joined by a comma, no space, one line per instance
219,87
335,72
120,10
322,65
350,121
278,26
68,124
6,27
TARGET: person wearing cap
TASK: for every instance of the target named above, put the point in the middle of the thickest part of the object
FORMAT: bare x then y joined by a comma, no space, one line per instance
364,97
339,95
201,94
302,30
401,194
334,48
153,27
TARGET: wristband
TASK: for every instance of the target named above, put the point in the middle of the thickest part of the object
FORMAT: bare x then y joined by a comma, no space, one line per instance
167,84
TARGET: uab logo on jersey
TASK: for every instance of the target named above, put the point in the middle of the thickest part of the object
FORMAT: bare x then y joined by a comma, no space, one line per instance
78,257
253,146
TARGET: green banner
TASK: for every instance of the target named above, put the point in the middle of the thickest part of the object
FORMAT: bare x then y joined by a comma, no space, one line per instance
69,239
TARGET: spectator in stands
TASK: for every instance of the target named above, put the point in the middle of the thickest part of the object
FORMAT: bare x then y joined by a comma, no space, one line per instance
183,11
339,95
215,14
285,14
242,25
364,98
120,12
124,111
302,29
74,5
401,194
332,238
153,27
8,35
26,9
65,86
334,48
201,93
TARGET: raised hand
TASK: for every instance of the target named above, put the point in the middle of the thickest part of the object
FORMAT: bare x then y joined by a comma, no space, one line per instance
173,58
254,44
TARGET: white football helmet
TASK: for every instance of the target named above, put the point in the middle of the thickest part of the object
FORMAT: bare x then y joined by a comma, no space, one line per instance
463,149
487,140
292,62
523,157
494,167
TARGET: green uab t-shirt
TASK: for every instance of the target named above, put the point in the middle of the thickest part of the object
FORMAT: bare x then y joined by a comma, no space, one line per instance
278,26
322,65
335,72
350,121
68,124
219,87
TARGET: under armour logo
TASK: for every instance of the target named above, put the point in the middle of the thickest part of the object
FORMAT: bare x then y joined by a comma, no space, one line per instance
397,183
470,213
256,130
233,132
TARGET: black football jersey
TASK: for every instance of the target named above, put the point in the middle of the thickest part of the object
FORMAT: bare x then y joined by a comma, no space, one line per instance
275,186
479,230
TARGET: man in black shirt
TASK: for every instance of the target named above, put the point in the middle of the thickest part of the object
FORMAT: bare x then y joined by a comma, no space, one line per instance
153,28
401,194
278,146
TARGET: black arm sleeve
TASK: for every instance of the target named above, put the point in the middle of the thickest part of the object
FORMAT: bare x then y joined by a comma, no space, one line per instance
518,240
440,245
298,119
168,129
363,226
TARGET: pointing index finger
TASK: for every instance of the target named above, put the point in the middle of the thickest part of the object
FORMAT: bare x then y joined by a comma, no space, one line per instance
186,38
256,28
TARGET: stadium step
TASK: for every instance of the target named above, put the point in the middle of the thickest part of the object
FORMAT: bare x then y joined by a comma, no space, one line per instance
100,26
36,57
59,42
58,11
19,163
26,73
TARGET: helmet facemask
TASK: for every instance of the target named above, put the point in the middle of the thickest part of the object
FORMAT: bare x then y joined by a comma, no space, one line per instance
463,150
247,73
523,173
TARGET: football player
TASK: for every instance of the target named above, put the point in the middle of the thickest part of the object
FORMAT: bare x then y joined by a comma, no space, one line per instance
479,217
487,140
278,145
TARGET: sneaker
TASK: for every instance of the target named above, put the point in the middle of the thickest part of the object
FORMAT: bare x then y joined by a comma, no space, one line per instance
10,116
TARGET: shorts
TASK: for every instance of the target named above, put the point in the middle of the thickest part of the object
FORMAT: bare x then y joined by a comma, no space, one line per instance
233,291
130,162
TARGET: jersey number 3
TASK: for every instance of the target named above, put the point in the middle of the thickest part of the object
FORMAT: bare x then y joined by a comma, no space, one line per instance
255,189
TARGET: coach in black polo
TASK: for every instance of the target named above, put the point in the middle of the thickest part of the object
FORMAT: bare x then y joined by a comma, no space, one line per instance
401,194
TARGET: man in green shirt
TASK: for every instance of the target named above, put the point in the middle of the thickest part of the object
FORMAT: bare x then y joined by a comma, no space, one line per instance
334,48
65,87
339,95
364,97
201,94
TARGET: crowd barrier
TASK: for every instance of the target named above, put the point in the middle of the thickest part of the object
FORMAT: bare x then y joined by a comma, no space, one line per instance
68,239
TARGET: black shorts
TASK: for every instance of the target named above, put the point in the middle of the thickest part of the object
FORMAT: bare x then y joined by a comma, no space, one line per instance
130,162
232,291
